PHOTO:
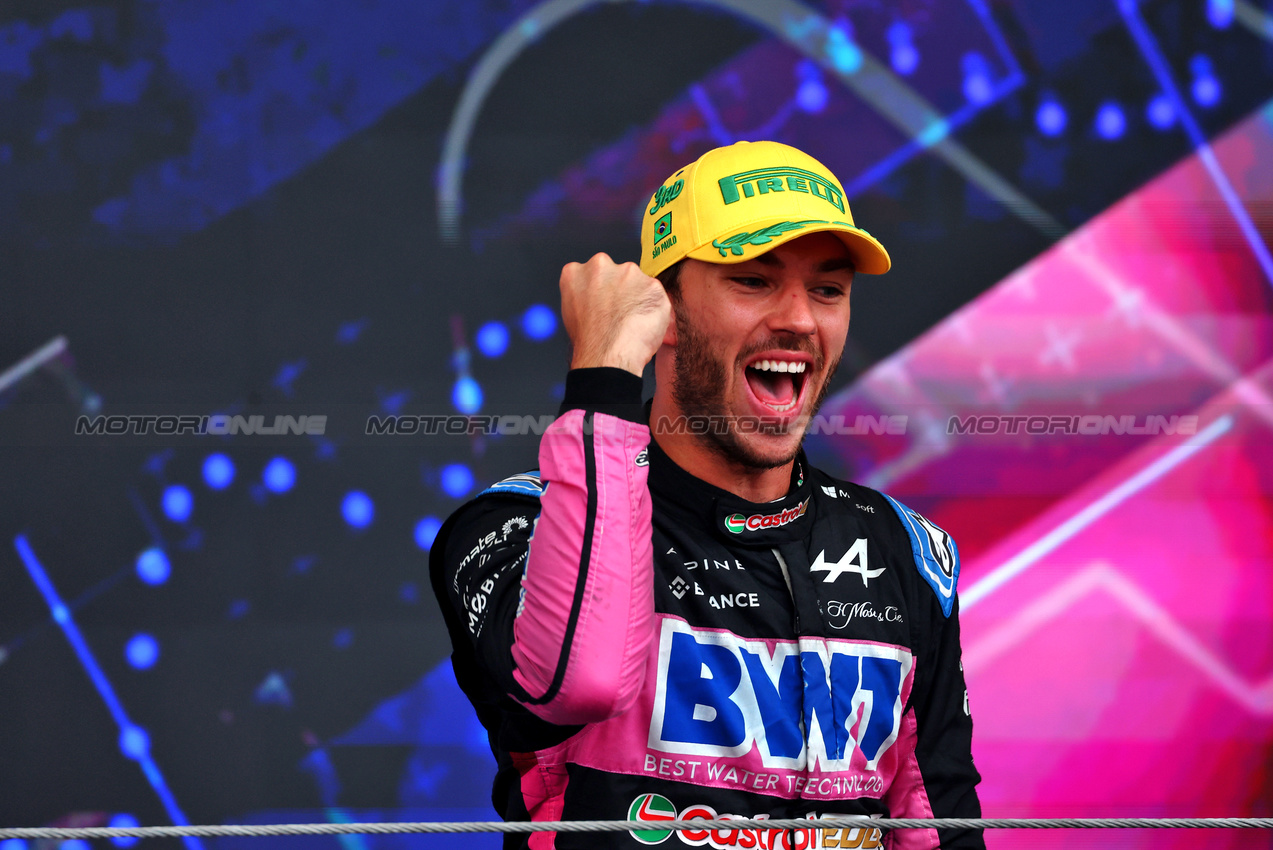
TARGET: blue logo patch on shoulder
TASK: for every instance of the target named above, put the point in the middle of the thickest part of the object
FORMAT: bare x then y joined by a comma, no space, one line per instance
525,484
936,556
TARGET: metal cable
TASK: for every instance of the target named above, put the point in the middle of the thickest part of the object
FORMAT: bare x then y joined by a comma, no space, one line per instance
261,830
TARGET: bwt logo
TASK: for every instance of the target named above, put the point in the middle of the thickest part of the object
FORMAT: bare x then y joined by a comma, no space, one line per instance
721,695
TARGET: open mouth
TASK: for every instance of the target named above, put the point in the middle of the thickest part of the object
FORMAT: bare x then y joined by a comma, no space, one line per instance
777,383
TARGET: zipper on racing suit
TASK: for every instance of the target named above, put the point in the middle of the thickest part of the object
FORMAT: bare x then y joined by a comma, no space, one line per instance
795,622
786,577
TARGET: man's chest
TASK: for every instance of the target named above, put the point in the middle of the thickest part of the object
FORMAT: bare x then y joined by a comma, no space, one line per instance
841,581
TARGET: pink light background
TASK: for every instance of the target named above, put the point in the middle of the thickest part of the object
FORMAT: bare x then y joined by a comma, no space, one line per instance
1125,668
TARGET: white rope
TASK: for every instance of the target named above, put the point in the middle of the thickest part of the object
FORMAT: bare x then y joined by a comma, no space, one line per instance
260,830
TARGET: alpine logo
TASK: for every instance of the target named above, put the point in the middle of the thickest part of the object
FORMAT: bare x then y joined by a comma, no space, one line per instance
833,704
737,523
853,561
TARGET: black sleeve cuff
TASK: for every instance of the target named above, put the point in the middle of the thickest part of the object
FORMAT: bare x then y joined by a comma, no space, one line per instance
604,389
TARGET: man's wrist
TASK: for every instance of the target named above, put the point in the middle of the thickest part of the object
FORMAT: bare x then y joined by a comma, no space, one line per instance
627,361
605,389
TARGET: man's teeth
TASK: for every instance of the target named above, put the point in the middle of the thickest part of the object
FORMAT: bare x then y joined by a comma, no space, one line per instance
779,366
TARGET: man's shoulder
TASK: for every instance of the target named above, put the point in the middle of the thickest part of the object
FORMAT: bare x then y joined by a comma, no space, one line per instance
489,511
521,484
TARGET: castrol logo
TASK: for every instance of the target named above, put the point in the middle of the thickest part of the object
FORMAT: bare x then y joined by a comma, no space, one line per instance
737,523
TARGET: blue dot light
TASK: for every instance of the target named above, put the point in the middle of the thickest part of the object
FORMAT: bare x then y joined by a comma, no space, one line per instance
902,55
218,471
1206,91
153,566
357,509
279,475
1050,117
978,85
904,58
812,96
467,395
134,742
13,844
1160,112
1205,88
492,339
121,821
934,133
178,503
426,531
1220,13
457,480
1110,121
142,651
539,322
845,56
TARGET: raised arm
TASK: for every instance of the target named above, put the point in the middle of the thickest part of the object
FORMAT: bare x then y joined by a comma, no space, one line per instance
582,629
568,606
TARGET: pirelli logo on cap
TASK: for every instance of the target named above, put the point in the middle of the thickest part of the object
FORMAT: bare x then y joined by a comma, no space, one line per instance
762,181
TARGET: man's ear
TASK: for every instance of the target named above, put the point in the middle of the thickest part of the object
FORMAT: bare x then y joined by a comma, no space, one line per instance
669,336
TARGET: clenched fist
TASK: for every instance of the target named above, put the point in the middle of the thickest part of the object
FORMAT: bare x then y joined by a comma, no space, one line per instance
616,315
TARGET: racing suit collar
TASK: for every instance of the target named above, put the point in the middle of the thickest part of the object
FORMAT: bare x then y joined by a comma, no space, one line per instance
739,522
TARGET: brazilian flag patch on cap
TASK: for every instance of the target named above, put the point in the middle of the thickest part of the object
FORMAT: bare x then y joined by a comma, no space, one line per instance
662,227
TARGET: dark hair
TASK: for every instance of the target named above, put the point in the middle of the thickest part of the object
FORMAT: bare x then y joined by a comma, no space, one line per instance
670,277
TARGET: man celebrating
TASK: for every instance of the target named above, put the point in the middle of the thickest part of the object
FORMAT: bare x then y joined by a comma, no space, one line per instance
677,616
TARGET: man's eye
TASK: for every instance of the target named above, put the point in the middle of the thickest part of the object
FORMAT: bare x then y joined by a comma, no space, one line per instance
749,282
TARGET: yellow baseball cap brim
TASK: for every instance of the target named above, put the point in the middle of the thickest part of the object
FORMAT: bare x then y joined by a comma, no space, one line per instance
869,256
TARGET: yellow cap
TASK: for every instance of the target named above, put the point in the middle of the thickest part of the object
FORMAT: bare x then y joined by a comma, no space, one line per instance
737,202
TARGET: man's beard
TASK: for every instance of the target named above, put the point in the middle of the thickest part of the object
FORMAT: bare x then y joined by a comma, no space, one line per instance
699,386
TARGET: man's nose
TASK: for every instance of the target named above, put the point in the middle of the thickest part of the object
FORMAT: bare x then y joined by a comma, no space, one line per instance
794,313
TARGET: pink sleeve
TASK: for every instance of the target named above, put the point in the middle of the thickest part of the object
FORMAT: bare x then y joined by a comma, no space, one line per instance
584,626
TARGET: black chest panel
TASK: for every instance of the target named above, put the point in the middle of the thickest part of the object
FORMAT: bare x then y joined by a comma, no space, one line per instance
829,560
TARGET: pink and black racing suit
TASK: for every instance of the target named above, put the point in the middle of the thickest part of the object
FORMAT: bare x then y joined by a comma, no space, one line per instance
642,645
